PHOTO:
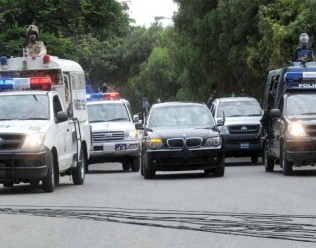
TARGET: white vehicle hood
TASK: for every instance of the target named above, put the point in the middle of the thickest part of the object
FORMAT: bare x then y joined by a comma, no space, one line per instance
242,120
23,126
112,126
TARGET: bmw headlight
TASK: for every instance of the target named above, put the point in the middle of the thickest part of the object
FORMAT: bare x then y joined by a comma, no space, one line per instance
131,134
33,140
214,141
154,143
296,129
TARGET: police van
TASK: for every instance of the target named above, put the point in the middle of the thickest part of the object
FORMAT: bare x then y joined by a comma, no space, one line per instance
44,128
290,99
114,136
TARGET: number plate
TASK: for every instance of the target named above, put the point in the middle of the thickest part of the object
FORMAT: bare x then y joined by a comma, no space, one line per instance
244,145
120,147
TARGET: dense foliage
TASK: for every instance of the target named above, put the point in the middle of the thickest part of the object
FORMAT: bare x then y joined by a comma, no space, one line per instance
225,45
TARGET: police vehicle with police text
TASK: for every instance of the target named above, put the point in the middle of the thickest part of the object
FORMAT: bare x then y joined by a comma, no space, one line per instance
290,99
44,128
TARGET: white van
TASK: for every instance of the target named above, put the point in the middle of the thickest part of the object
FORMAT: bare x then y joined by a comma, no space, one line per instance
44,128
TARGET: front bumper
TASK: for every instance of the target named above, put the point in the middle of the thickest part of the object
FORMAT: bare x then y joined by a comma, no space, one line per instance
23,164
112,149
243,145
184,159
301,150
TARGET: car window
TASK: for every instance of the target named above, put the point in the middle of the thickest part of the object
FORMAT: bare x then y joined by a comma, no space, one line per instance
185,115
107,112
239,108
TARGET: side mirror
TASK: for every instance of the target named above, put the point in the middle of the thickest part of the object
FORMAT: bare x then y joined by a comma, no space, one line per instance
139,126
136,119
221,121
62,116
275,113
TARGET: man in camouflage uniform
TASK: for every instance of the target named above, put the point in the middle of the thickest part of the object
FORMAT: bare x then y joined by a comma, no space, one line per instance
34,47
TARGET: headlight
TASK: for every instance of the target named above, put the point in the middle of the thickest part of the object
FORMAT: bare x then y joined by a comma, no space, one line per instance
296,130
131,134
33,140
225,130
215,141
154,143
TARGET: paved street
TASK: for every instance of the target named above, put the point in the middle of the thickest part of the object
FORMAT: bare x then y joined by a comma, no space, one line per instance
248,207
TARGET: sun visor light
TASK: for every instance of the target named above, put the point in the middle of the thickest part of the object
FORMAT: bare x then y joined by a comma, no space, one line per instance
103,96
35,83
297,76
43,83
111,95
46,60
4,62
21,83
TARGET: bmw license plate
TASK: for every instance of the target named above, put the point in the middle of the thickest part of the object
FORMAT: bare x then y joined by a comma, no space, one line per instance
120,147
244,145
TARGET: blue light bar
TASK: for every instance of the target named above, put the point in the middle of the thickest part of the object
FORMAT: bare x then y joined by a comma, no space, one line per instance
295,76
292,76
6,83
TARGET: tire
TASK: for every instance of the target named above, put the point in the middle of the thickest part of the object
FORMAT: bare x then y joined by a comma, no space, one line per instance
8,184
135,164
86,167
78,174
285,164
268,160
254,159
147,173
48,182
219,171
126,166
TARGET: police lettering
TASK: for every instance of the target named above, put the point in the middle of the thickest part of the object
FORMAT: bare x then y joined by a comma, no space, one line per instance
308,85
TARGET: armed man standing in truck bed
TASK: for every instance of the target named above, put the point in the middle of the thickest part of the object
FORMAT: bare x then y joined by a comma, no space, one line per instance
34,47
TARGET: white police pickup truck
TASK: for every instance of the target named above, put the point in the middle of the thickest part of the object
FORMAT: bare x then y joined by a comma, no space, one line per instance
114,136
44,129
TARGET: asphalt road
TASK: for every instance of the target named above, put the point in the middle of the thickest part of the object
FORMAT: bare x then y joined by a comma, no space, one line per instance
248,207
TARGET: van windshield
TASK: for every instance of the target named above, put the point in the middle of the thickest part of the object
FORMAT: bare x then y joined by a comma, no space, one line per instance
24,107
303,104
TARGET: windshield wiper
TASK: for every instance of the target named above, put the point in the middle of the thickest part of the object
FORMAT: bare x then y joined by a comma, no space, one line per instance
34,118
119,119
97,121
309,113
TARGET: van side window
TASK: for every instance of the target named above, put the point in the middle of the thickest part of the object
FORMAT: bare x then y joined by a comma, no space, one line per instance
57,106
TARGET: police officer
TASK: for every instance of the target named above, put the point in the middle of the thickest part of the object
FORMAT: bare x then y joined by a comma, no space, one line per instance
303,53
34,47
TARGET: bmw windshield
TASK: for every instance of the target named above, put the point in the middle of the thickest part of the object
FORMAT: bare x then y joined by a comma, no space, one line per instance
180,116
